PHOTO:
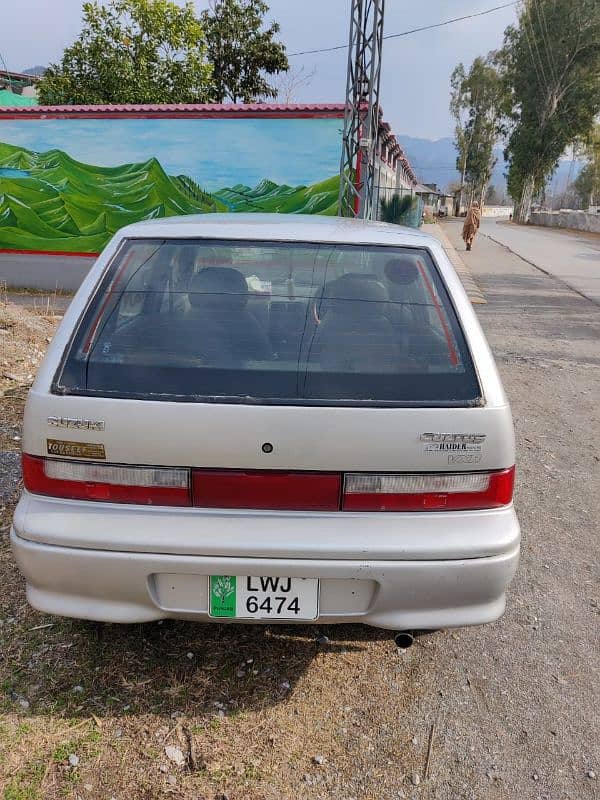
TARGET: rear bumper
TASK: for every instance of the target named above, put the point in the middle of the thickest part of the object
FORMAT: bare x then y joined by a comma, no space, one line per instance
345,536
117,586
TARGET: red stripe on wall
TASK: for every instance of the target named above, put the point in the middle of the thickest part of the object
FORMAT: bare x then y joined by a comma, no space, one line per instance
47,253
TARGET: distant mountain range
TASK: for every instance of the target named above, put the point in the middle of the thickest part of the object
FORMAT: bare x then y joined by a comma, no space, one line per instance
37,70
319,198
434,161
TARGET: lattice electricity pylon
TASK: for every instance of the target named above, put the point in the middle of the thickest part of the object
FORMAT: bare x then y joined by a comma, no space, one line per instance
361,120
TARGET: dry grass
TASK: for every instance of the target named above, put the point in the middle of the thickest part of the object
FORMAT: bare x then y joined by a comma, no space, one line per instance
38,301
24,337
249,707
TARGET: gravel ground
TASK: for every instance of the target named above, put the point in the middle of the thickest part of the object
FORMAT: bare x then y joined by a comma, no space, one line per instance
10,469
509,710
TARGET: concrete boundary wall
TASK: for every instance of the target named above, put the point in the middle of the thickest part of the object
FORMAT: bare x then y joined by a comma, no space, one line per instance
62,272
497,211
566,218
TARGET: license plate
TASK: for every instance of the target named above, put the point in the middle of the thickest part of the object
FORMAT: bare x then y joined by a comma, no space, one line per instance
262,597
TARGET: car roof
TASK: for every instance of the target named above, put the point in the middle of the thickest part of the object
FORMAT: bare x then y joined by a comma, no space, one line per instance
279,227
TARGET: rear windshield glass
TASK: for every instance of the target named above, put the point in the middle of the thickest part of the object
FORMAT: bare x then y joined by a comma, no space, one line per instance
256,322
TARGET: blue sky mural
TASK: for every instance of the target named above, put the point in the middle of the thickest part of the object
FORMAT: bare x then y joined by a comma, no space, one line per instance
214,152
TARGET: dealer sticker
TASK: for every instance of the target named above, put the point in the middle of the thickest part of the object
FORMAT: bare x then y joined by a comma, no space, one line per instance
59,447
460,448
464,458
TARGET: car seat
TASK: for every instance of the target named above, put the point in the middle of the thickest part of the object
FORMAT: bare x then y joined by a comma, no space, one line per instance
355,334
223,329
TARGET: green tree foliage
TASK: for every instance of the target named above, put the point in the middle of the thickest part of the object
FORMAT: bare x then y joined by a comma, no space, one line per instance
132,51
476,103
241,52
552,66
587,183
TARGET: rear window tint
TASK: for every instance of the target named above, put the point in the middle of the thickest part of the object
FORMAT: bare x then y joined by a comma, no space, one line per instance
253,322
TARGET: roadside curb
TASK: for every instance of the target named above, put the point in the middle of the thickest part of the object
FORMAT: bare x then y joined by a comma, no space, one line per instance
473,291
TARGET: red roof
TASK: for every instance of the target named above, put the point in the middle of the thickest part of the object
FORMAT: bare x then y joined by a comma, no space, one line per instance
184,109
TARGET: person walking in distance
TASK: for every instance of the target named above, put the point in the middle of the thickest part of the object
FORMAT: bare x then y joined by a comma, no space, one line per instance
471,225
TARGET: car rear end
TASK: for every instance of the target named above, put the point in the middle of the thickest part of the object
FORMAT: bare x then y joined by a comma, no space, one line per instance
257,422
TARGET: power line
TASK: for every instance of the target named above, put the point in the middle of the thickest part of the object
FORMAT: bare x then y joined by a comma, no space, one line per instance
412,30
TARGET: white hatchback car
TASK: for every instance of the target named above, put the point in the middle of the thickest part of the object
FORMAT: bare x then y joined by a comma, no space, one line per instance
269,418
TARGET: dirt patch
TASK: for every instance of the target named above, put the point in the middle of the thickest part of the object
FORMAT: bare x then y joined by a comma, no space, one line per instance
24,336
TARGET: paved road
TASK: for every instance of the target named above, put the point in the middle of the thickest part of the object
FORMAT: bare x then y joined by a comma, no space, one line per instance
571,256
534,677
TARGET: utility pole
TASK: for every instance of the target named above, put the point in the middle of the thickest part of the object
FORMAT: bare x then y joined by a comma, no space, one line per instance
361,120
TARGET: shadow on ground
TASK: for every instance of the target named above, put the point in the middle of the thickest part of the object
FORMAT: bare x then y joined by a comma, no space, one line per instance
58,666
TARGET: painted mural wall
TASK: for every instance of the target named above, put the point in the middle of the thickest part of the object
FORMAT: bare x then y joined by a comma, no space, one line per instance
66,185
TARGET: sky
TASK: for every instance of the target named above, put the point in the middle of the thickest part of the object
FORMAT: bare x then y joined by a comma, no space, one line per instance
415,69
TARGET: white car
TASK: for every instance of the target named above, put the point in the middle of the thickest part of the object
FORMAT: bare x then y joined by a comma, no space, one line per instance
269,418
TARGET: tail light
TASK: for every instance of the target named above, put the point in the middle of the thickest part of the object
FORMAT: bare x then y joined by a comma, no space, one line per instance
267,489
76,480
427,491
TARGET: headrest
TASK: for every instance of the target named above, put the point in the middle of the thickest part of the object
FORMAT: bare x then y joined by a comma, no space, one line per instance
186,254
354,286
368,296
401,270
218,287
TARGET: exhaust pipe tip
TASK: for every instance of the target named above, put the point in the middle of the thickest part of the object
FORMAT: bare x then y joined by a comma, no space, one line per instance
404,640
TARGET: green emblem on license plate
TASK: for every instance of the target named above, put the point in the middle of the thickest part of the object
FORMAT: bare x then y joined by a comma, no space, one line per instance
222,595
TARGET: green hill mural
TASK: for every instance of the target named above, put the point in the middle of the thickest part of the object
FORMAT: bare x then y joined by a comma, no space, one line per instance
320,198
51,202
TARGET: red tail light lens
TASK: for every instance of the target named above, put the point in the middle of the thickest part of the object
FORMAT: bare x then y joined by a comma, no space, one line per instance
428,491
76,480
267,489
274,490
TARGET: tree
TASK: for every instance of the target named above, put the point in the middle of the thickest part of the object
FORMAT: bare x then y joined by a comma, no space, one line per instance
240,51
476,103
587,183
552,66
132,51
492,197
290,83
459,102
